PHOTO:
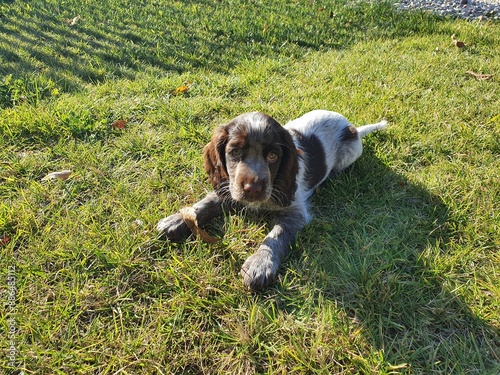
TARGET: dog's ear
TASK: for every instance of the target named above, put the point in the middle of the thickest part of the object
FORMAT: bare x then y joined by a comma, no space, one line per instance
286,178
215,157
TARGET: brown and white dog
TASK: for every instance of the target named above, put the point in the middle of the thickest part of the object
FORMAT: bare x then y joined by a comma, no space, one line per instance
254,162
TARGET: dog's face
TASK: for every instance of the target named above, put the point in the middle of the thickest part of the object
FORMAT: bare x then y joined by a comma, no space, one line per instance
254,160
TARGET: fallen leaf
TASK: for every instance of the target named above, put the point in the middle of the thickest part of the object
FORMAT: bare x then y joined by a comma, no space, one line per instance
479,76
4,240
61,175
457,43
119,124
398,367
73,21
189,217
181,89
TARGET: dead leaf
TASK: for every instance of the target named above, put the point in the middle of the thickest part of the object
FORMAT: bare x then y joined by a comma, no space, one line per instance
479,76
457,43
4,240
183,89
119,124
399,366
189,217
73,21
61,175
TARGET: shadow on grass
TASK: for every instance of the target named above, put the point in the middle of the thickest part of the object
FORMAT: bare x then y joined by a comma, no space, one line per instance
386,273
109,41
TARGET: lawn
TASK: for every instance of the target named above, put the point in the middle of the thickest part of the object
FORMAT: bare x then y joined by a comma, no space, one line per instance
398,272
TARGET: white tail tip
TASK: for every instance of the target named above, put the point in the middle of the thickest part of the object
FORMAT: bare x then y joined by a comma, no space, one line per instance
365,129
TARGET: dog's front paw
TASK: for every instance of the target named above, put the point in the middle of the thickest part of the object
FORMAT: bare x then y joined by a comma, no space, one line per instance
259,270
173,228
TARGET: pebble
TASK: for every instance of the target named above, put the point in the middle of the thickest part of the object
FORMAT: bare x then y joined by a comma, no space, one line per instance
480,10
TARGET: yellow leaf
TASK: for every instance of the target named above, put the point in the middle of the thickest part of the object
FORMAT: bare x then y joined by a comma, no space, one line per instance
181,89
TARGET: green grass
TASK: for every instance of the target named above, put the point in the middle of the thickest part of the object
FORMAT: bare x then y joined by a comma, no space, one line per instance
398,273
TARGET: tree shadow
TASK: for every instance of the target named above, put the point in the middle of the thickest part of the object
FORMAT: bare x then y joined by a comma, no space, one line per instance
201,34
385,272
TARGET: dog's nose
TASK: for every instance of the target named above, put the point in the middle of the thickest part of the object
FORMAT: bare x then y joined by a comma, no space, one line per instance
252,188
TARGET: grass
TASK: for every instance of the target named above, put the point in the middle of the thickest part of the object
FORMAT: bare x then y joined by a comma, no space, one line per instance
398,273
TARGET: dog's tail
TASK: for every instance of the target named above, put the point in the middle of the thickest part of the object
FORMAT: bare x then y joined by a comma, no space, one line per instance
365,129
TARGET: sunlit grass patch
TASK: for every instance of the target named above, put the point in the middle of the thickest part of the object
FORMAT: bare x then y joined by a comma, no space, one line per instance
397,272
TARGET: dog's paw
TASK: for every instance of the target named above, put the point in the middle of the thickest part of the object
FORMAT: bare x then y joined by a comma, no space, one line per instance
259,270
173,228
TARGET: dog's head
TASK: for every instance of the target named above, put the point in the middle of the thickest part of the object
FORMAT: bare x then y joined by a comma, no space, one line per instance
253,158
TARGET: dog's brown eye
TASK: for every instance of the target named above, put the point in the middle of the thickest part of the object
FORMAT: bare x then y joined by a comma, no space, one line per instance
236,153
272,157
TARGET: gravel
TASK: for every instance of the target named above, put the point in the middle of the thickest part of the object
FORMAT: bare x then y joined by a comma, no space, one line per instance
469,9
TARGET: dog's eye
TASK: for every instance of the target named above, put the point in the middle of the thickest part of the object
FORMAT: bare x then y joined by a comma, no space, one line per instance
236,153
272,157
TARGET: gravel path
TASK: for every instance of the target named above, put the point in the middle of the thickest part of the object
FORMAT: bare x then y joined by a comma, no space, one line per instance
468,9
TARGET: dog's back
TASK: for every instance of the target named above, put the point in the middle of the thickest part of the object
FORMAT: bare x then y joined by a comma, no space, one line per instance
328,144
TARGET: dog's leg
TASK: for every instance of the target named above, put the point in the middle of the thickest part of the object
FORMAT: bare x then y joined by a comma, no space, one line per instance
175,229
261,268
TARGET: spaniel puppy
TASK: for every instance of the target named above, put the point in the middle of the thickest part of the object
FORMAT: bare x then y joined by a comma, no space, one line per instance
254,162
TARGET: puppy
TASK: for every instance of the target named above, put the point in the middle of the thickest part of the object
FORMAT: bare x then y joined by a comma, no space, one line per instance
254,162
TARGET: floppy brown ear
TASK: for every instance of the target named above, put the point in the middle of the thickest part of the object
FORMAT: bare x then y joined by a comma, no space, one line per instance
286,178
215,159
